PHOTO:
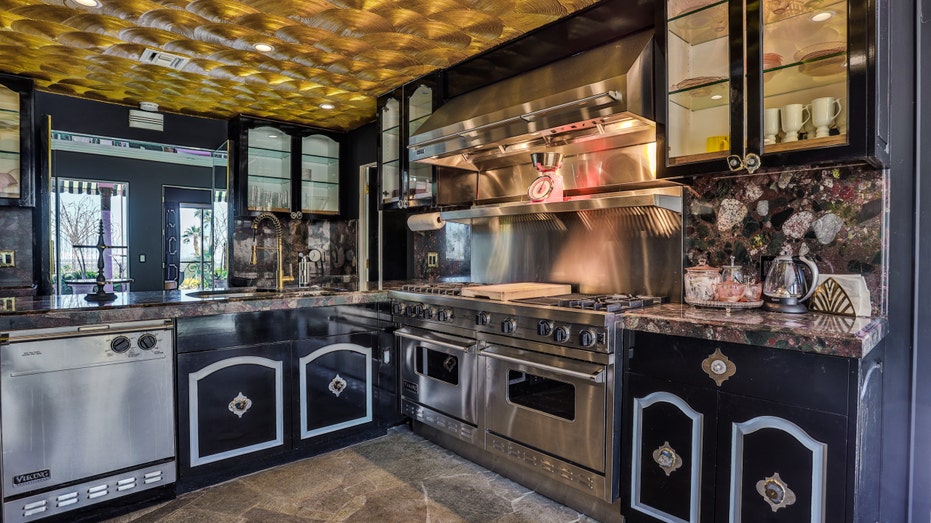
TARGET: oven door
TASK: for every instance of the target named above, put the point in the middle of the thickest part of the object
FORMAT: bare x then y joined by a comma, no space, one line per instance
550,403
439,371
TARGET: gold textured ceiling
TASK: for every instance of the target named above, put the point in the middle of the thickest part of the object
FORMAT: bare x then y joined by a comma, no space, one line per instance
342,52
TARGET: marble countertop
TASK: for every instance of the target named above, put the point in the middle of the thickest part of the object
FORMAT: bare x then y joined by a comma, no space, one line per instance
59,311
810,332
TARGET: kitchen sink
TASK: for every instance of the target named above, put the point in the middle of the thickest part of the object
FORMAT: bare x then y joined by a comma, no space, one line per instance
248,292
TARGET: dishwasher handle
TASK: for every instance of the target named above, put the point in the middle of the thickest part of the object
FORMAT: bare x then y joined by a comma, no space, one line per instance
597,376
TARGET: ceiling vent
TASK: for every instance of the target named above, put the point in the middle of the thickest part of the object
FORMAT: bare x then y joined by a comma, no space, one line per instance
146,120
173,61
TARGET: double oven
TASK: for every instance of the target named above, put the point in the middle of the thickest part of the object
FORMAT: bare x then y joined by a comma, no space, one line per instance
527,382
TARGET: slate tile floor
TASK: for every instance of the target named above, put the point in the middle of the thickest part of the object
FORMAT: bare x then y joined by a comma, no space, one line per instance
396,478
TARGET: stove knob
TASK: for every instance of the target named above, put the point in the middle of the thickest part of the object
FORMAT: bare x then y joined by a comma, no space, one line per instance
544,328
482,318
429,313
147,341
444,315
398,309
508,326
586,338
120,344
561,335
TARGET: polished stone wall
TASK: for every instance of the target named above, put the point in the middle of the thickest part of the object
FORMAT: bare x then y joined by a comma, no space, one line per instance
334,240
453,245
836,216
17,236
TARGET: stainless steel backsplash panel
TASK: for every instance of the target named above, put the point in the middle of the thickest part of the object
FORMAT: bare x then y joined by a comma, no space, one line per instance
636,249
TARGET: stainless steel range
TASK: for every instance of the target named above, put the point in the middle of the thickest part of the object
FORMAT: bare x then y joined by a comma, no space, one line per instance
530,381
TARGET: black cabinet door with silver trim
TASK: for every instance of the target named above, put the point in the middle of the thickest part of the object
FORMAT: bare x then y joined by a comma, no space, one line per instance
335,384
232,410
779,463
669,472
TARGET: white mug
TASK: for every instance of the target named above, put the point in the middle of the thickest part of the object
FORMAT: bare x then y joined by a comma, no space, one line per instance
792,120
770,125
823,112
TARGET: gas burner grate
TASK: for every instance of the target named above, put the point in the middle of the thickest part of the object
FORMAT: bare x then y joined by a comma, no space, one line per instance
598,302
445,289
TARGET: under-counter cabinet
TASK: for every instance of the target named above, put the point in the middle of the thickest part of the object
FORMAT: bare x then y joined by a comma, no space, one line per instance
285,168
405,184
727,432
771,83
260,389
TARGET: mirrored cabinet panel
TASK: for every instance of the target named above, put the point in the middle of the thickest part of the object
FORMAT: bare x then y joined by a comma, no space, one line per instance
390,159
16,134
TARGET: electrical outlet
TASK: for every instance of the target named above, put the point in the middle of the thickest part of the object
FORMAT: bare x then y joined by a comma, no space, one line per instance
7,304
7,259
433,260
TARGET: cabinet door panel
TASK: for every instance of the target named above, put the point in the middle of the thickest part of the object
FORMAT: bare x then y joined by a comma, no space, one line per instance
779,463
670,469
335,383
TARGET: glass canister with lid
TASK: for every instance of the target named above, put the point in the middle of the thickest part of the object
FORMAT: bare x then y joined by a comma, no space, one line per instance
701,282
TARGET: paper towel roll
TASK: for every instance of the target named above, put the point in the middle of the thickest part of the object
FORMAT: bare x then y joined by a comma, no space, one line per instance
425,222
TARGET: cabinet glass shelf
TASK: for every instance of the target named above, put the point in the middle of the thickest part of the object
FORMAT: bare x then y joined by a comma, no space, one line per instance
704,96
697,26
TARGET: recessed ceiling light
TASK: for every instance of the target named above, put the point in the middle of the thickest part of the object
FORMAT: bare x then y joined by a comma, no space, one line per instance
327,106
822,16
263,48
88,3
716,97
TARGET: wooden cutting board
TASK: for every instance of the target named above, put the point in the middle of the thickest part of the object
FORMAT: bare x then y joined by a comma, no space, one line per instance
516,291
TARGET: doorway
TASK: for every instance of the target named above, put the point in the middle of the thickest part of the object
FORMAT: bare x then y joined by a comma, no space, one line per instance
195,249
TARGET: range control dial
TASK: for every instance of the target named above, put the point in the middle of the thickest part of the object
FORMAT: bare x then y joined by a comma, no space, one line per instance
429,313
586,338
120,344
561,334
444,315
544,328
398,309
508,326
147,341
482,318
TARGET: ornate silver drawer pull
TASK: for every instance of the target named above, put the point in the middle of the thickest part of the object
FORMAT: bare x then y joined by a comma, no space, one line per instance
239,405
775,492
718,367
667,458
337,385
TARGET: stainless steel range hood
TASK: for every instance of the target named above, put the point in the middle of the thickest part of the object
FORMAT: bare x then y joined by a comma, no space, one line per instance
597,100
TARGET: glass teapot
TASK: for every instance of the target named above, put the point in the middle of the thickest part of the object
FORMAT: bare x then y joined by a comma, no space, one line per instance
785,287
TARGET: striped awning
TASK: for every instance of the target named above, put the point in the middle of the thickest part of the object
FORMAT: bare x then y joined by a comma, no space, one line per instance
88,187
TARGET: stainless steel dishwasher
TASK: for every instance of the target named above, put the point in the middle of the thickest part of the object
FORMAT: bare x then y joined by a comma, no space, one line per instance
87,415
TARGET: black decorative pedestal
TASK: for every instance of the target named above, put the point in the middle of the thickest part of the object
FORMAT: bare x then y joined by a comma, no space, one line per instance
99,294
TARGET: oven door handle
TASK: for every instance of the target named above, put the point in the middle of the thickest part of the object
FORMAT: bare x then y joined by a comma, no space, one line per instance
597,376
408,335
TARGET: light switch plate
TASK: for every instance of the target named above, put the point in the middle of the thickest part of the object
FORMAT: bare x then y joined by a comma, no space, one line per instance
433,259
7,304
7,258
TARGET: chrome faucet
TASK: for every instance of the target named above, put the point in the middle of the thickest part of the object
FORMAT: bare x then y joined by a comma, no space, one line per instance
279,273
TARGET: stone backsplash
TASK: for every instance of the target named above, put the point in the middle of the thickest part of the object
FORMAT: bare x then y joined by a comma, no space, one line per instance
836,216
453,244
334,240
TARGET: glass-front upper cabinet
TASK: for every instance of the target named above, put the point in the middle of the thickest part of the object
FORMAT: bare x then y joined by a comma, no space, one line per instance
390,150
16,139
405,184
285,168
767,84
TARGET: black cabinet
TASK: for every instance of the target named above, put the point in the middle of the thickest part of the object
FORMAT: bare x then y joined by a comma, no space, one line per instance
285,168
263,388
728,432
17,164
771,83
405,184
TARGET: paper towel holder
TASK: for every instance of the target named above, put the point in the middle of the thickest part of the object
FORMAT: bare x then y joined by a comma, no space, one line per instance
425,222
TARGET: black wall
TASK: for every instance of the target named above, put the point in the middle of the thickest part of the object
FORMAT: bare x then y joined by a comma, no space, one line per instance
146,180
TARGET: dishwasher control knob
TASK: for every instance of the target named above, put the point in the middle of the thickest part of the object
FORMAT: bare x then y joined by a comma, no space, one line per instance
444,315
561,335
120,344
482,318
147,341
586,338
544,328
508,326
